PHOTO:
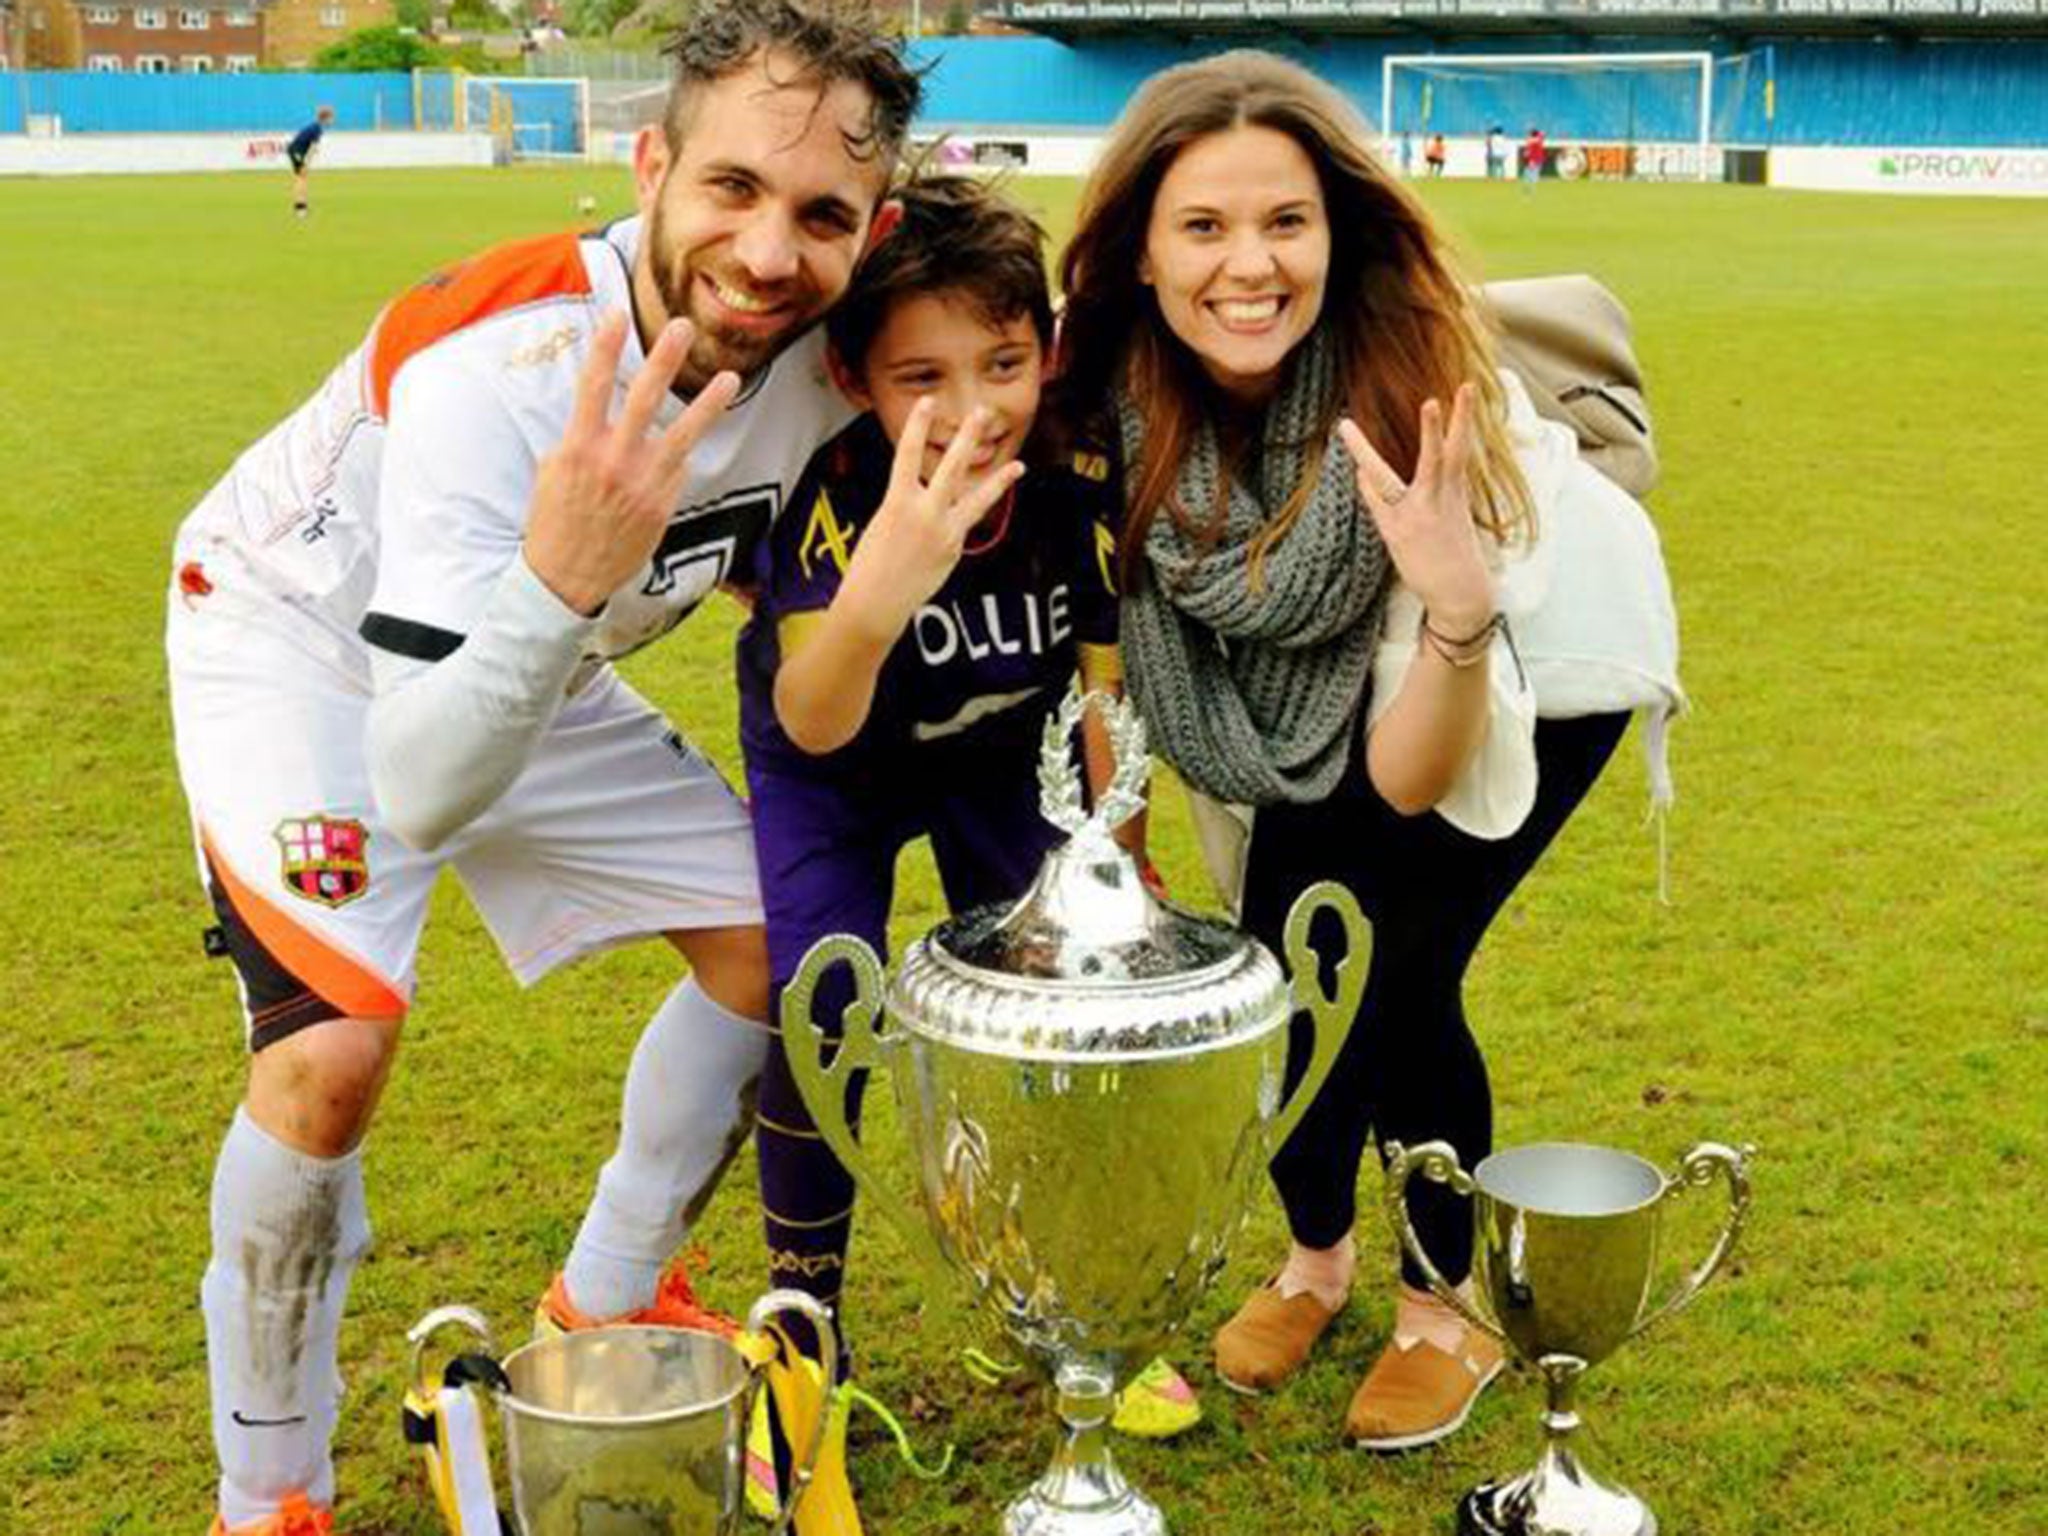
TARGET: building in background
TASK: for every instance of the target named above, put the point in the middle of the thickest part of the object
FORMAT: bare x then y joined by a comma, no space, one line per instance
51,35
169,37
295,30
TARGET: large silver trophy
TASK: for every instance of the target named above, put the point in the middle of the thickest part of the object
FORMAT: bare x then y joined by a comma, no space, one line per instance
1566,1253
1091,1083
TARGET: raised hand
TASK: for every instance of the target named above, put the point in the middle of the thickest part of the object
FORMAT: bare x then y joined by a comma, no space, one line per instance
604,496
913,542
1426,522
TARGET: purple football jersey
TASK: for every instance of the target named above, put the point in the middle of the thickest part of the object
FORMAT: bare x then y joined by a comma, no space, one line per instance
988,657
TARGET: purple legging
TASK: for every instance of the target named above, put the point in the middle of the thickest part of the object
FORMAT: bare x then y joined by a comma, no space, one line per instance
828,862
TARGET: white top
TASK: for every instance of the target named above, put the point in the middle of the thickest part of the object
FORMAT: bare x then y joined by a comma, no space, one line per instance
1594,631
392,505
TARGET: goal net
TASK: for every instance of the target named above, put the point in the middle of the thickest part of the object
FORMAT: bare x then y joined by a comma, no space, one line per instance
1619,115
528,118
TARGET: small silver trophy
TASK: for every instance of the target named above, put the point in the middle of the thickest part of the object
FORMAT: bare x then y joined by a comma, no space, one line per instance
1566,1251
621,1431
1091,1082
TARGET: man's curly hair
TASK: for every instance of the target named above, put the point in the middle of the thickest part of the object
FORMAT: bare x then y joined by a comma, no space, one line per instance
820,42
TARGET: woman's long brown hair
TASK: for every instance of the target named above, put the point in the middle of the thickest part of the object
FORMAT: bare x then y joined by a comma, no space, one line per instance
1407,326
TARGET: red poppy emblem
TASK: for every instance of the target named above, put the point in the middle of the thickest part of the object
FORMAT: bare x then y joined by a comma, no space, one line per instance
324,859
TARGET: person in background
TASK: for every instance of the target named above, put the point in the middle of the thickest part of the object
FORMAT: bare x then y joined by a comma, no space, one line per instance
1534,153
1338,515
1436,154
1496,153
300,153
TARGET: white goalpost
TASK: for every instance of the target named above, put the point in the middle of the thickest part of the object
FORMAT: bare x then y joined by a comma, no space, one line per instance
530,117
1485,77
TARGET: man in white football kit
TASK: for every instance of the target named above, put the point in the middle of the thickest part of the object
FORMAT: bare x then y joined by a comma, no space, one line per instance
390,636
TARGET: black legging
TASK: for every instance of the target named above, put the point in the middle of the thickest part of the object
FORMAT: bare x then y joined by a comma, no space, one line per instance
1409,1069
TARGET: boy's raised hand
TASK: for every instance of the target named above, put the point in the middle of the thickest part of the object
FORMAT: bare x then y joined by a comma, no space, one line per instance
913,542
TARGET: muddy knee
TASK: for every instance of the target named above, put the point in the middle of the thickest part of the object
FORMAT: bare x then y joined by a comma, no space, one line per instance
317,1089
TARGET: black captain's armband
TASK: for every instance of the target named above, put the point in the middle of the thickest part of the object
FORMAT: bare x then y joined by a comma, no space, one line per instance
404,637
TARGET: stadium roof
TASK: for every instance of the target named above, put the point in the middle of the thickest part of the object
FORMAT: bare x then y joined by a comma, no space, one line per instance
1073,20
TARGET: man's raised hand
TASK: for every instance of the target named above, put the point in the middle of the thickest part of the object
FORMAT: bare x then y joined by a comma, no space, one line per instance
606,493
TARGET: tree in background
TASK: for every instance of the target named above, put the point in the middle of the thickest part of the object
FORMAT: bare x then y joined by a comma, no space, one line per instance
959,17
376,50
649,19
594,18
476,16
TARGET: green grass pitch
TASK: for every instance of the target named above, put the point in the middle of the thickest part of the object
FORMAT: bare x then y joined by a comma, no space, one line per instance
1853,973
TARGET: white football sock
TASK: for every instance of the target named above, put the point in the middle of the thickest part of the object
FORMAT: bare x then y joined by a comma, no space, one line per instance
287,1232
689,1105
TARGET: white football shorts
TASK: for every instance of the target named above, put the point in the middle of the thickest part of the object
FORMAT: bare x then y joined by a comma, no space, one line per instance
617,829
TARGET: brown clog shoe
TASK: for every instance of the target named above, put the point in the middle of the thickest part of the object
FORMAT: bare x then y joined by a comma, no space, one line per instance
1417,1394
1270,1338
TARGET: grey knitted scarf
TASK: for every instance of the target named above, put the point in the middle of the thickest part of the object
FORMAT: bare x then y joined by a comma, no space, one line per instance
1252,693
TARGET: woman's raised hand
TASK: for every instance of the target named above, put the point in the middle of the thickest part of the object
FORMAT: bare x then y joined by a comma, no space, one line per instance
913,542
1426,523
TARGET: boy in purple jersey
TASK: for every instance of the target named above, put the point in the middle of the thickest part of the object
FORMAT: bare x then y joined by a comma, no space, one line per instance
923,605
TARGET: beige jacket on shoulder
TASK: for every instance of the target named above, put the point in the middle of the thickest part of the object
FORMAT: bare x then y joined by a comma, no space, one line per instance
1593,631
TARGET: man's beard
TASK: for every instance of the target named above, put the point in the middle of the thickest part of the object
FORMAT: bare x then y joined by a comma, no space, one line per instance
713,347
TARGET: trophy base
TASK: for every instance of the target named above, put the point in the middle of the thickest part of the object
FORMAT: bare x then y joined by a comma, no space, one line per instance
1129,1514
1082,1493
1533,1506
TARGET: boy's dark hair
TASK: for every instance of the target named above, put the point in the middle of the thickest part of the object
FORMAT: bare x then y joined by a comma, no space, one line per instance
826,41
957,236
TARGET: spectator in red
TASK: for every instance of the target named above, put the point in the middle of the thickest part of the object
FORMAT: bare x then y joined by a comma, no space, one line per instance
1533,154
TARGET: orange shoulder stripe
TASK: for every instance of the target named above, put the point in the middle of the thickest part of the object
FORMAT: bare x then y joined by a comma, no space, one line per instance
341,978
502,278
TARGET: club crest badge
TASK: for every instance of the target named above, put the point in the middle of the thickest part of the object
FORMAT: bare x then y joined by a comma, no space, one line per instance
324,858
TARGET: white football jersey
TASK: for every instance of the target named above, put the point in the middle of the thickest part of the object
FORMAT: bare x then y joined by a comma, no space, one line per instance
392,501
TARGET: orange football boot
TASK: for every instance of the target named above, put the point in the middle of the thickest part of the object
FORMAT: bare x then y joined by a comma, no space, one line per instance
295,1517
675,1305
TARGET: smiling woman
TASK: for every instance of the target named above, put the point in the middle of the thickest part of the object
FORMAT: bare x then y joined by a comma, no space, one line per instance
1238,253
1332,499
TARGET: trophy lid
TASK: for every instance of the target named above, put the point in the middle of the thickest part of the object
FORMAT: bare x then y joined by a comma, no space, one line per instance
1089,963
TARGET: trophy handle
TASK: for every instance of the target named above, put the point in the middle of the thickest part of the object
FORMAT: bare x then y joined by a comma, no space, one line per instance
863,1045
1436,1160
804,1458
1332,1016
1696,1171
444,1422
